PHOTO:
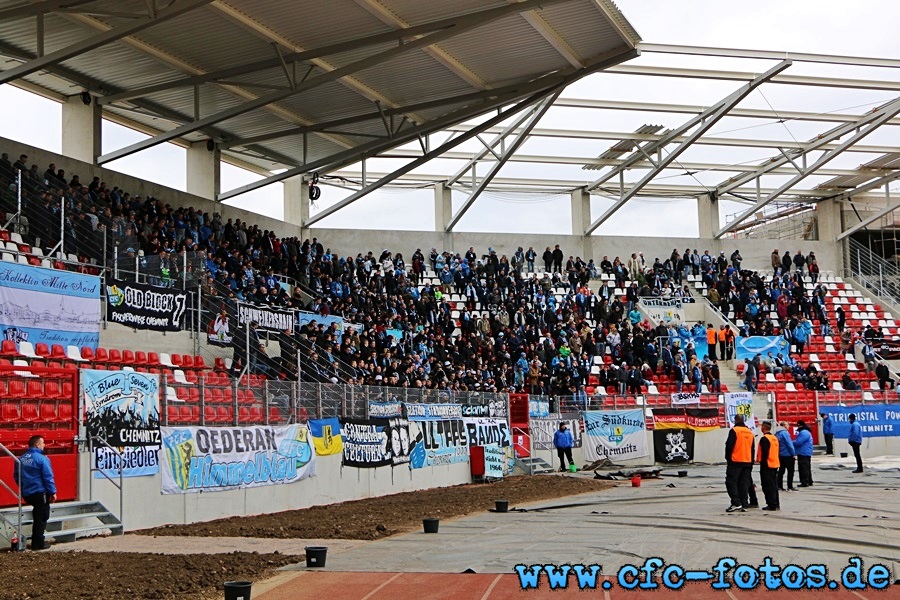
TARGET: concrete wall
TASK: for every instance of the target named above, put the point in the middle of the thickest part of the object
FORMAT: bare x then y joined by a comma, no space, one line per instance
146,507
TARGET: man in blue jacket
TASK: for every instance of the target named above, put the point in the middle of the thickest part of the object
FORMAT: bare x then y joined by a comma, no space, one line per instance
804,447
563,442
855,440
828,431
786,454
37,487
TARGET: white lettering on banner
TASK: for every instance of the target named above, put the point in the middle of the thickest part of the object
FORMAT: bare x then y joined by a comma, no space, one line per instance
685,398
267,319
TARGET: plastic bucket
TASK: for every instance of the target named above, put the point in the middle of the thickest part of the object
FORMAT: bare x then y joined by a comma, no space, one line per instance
573,469
682,473
430,525
502,505
843,455
237,590
636,481
315,556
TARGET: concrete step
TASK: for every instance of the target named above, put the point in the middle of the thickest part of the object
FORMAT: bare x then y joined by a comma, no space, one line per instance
68,521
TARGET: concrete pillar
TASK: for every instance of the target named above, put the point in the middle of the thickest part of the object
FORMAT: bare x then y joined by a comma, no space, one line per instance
296,203
707,216
81,135
828,220
581,220
203,171
443,207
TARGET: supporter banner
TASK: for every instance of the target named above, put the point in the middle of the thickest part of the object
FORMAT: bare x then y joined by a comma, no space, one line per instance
144,306
305,318
543,430
616,435
494,461
695,419
739,403
220,331
49,306
214,459
876,420
668,312
122,409
485,431
888,349
438,443
370,443
384,410
326,435
433,412
397,334
749,347
672,446
538,408
270,319
494,408
696,336
685,398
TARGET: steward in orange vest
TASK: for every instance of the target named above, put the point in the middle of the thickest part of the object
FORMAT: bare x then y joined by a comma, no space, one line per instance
769,462
739,471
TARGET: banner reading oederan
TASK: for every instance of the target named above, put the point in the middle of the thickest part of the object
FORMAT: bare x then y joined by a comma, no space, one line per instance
212,459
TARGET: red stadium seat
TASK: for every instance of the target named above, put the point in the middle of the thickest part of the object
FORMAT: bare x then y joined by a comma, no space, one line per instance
87,353
275,415
101,355
128,357
210,414
187,361
41,349
9,413
8,348
65,412
16,388
30,412
52,390
176,360
256,414
244,415
48,412
140,357
225,415
219,364
57,351
68,389
35,389
199,363
152,358
173,413
115,356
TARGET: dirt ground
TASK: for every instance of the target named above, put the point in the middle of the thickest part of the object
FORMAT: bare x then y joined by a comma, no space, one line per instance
118,576
374,518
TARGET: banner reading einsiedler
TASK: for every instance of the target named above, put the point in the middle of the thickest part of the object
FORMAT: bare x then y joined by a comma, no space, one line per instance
213,459
615,434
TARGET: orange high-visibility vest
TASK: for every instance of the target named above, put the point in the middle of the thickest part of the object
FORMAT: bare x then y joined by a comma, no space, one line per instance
773,461
743,447
711,336
722,335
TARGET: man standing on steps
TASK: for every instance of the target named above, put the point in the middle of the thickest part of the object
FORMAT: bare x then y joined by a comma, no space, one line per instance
721,335
38,487
563,442
855,440
711,339
828,432
739,470
804,447
767,457
786,454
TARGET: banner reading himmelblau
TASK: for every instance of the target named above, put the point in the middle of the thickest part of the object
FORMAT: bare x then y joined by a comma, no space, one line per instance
213,459
122,409
49,305
144,306
615,434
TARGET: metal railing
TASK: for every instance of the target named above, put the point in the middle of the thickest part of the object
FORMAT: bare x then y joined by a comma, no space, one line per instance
121,462
20,544
875,274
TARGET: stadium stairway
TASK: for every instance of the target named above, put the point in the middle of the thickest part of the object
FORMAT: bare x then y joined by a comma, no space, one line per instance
68,521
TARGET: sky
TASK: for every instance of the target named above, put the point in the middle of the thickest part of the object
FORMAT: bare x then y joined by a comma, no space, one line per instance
864,28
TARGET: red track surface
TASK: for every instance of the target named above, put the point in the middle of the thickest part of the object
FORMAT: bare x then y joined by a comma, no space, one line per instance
453,586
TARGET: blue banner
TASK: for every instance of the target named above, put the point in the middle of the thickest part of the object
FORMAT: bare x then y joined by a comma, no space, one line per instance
50,306
615,434
682,336
438,443
876,420
304,318
122,409
433,412
749,347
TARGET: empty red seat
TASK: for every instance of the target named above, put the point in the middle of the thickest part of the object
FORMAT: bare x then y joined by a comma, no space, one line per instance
101,355
256,414
140,357
16,388
244,415
187,361
87,353
8,348
194,395
48,412
4,235
30,412
225,414
152,358
52,389
115,356
210,414
41,349
128,357
65,412
34,261
57,351
35,389
219,364
274,415
199,363
9,412
173,413
176,360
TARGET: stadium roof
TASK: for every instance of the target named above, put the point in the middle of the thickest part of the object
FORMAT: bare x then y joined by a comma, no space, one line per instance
319,83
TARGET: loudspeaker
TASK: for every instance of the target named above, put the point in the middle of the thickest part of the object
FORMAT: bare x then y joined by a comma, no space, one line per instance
86,98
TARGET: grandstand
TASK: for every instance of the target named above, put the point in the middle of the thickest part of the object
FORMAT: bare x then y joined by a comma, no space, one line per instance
245,322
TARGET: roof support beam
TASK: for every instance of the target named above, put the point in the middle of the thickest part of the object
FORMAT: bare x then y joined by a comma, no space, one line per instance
101,39
38,8
537,114
449,145
830,59
872,122
537,88
462,24
891,207
705,120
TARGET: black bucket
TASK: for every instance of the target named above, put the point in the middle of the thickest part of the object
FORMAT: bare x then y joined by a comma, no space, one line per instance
502,505
430,525
843,455
315,556
237,590
682,473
